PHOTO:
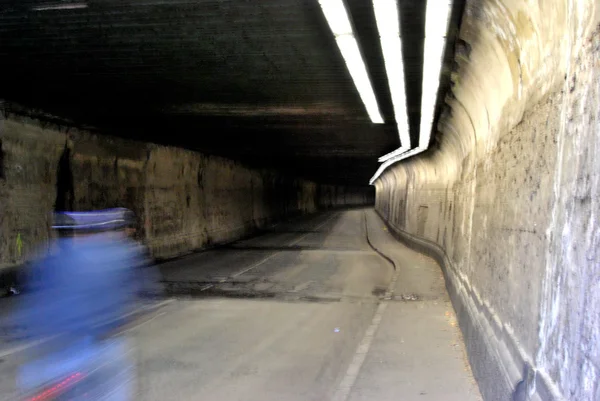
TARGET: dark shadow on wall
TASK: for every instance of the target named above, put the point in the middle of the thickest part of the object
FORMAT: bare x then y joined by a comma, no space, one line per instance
64,183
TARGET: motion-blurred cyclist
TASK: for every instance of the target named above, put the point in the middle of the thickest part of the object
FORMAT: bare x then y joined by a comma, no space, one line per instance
77,298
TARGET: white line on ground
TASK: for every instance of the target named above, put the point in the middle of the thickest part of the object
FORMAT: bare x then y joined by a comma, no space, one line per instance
143,323
343,391
19,348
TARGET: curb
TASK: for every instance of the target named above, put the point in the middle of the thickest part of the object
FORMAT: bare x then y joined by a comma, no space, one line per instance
495,357
374,248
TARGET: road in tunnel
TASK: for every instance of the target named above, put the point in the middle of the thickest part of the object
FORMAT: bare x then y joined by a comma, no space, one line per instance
212,120
307,311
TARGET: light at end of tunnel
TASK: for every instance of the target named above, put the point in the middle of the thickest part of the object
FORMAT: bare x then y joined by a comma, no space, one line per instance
388,25
339,21
60,6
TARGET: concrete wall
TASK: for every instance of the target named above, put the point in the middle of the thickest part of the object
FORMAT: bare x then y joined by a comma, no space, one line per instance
185,200
508,196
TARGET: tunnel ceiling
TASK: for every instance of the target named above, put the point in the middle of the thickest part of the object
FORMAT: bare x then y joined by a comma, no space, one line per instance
259,81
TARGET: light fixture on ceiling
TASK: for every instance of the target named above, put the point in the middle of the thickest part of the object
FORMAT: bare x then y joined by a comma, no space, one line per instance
388,24
339,22
393,160
436,28
437,18
59,6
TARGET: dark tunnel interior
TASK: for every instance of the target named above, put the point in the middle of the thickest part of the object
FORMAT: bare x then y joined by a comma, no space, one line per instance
260,82
265,200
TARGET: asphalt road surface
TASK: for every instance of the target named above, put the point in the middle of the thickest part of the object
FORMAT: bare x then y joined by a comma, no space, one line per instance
307,311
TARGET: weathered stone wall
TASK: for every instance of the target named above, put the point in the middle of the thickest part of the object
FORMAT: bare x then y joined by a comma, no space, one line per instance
27,189
508,195
185,200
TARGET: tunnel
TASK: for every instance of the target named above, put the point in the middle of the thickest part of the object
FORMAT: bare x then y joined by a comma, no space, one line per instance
345,199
